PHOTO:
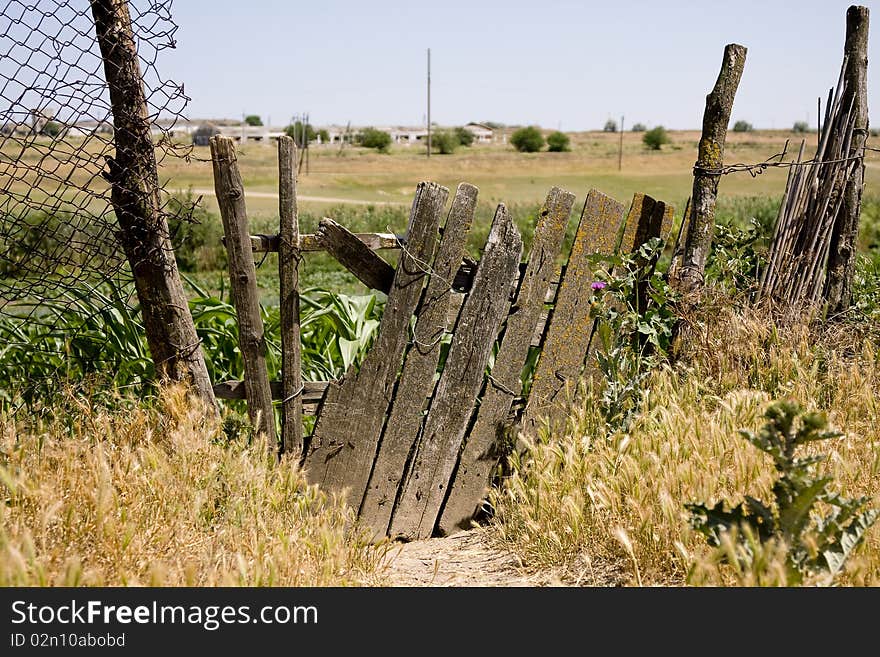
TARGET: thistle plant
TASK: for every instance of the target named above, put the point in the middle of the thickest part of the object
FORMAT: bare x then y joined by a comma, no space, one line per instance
815,545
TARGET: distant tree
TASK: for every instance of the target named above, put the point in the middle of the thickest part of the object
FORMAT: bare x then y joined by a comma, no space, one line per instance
253,119
527,140
295,131
465,137
743,126
324,135
655,138
610,126
445,142
495,125
52,129
800,126
372,138
638,127
558,142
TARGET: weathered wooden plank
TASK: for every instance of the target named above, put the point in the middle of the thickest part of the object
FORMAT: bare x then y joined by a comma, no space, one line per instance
460,382
419,369
311,242
346,434
570,327
312,393
242,274
355,256
288,274
480,455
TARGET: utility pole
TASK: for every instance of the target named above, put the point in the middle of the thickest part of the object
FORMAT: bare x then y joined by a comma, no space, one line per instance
429,102
620,151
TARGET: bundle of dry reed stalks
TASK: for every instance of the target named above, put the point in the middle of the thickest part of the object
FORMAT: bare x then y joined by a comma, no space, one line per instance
811,205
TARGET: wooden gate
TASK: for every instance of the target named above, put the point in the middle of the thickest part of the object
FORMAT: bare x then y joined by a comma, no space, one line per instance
411,445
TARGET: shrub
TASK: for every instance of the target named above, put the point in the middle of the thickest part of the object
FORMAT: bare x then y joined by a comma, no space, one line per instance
743,126
655,138
610,126
465,136
253,120
527,140
800,126
324,135
558,142
444,142
52,129
638,127
372,138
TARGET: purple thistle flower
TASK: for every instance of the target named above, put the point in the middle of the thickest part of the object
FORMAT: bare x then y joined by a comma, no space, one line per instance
599,285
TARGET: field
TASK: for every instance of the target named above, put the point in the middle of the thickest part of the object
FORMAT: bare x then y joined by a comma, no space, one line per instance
502,174
369,191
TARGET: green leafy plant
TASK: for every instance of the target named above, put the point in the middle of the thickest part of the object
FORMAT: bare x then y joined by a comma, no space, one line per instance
372,138
465,136
253,120
445,142
633,306
638,127
743,126
655,138
815,545
301,133
527,140
558,142
800,127
610,126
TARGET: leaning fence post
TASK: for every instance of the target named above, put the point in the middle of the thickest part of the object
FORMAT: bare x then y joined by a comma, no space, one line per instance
707,170
842,254
243,280
288,271
171,334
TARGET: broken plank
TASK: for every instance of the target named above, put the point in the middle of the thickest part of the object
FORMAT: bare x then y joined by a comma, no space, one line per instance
346,433
568,333
481,317
355,256
419,369
481,451
311,242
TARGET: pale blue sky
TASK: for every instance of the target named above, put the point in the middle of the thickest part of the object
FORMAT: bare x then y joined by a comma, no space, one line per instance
568,65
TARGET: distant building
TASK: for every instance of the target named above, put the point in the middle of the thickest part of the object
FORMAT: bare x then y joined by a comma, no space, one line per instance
483,134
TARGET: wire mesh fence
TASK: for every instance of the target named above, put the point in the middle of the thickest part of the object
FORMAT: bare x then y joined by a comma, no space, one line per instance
62,267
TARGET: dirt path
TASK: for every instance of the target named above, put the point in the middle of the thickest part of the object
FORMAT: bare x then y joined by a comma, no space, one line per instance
300,197
464,559
470,559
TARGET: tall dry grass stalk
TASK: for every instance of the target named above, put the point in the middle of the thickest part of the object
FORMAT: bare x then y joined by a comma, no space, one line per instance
570,496
157,497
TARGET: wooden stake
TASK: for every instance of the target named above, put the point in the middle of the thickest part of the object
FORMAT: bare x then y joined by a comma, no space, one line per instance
242,274
288,271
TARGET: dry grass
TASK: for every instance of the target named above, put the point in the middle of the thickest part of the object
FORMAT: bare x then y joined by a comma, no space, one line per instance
157,497
591,496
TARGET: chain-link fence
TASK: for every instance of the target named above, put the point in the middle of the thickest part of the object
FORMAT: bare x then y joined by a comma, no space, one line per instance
63,264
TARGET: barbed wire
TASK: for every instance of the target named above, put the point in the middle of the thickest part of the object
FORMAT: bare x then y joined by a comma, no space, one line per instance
774,161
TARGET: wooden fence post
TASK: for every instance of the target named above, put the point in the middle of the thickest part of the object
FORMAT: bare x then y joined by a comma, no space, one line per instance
243,280
288,272
710,159
842,254
144,235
